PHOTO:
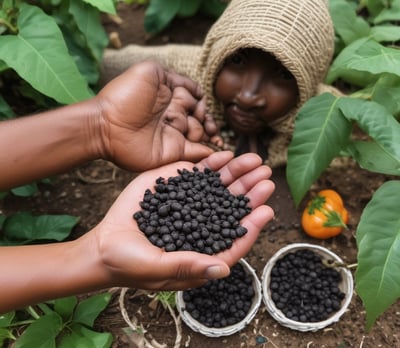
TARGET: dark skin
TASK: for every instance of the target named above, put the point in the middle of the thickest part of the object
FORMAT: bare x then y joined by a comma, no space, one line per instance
256,90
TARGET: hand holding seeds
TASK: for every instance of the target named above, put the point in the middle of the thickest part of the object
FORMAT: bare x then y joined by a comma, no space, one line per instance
132,260
149,110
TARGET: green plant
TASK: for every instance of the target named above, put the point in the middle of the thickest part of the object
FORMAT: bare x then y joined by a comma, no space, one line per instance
367,62
63,323
54,47
160,13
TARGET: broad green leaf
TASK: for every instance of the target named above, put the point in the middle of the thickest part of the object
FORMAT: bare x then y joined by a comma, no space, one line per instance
5,334
42,333
374,6
348,25
106,6
386,92
374,58
378,242
81,336
25,227
26,190
341,67
159,14
39,55
88,21
385,33
372,157
376,121
7,318
189,8
65,307
89,309
389,14
320,133
213,8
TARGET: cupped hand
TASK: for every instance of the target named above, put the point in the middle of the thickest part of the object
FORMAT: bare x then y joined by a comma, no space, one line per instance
130,260
151,116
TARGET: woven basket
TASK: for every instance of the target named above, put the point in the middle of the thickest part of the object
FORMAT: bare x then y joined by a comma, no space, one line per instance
346,286
227,330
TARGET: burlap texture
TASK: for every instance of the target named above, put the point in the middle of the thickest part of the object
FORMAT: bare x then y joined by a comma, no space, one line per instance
299,33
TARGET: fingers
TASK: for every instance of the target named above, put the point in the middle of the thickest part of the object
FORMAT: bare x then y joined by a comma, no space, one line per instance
175,80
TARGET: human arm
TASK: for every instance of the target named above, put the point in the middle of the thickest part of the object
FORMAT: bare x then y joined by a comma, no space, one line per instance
146,110
116,252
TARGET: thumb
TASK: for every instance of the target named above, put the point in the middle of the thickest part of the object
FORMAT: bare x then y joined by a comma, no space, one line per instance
188,265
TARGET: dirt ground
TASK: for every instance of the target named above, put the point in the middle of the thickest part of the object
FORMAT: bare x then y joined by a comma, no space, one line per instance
89,191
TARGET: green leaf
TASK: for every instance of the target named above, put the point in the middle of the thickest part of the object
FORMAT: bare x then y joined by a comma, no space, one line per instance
159,14
42,333
213,8
320,133
348,25
7,318
386,92
25,227
376,121
88,310
341,67
5,334
80,336
88,21
26,190
385,33
189,8
65,307
378,241
391,13
370,156
39,55
106,6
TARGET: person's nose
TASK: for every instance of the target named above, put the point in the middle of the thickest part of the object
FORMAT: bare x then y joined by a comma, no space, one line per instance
250,94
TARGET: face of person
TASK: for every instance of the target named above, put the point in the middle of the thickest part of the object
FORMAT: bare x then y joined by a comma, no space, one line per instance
255,89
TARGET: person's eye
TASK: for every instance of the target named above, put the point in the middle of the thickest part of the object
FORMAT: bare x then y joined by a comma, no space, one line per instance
285,74
236,59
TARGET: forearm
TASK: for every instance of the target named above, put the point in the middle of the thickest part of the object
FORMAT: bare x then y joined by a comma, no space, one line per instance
36,273
48,143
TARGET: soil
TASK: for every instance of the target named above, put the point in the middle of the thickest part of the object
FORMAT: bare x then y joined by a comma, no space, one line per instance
89,191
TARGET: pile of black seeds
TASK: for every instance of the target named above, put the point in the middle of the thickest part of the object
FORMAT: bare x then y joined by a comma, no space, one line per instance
305,289
192,211
221,302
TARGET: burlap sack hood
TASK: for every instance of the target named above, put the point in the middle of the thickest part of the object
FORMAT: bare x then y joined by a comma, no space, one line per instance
299,33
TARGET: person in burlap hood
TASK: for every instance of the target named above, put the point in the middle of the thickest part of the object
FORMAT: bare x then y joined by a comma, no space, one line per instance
293,37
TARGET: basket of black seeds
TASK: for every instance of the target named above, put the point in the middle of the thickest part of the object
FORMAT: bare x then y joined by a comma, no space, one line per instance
192,211
224,306
306,287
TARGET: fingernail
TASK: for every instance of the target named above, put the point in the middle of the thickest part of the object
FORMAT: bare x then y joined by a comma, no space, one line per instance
215,272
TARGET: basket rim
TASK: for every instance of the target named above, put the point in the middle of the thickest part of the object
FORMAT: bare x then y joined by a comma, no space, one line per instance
230,329
347,285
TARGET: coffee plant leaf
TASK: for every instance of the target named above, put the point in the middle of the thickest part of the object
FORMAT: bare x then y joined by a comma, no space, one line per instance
40,56
389,14
321,132
385,33
6,319
65,307
87,18
41,333
81,336
106,6
159,14
23,227
371,156
378,242
375,121
348,25
386,91
189,8
89,309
